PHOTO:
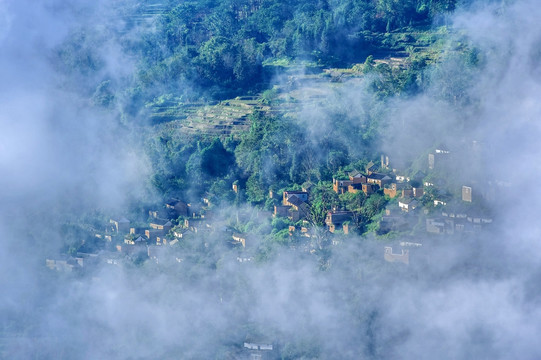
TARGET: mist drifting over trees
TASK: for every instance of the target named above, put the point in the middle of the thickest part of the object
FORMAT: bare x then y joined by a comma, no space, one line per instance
114,107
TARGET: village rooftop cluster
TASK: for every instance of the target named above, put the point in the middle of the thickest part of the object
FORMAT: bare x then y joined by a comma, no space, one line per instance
416,209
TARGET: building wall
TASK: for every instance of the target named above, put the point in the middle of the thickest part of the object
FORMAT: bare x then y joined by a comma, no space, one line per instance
431,161
294,215
466,193
391,192
281,210
434,226
407,192
341,186
121,227
403,257
300,194
368,189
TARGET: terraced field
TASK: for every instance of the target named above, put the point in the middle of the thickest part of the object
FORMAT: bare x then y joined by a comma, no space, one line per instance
220,119
144,14
306,86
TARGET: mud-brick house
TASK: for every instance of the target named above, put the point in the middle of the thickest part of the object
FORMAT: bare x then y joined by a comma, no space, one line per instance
393,189
357,178
177,207
302,195
355,188
378,179
364,187
369,188
371,168
158,227
120,224
402,257
299,209
336,219
161,224
153,234
407,192
138,247
137,230
341,186
282,211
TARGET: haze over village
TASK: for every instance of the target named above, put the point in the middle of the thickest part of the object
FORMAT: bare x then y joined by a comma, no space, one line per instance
256,179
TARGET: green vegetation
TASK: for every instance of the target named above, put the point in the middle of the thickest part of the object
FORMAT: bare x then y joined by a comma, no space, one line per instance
219,49
234,100
243,93
206,81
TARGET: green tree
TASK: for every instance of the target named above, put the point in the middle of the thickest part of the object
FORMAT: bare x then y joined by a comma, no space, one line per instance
373,205
353,202
216,160
255,189
216,61
323,199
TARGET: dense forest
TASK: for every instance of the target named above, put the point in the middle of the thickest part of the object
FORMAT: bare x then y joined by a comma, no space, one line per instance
222,48
197,52
224,45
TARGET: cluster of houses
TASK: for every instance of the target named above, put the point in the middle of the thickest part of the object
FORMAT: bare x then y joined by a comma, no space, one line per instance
124,240
368,183
65,263
455,219
295,206
407,211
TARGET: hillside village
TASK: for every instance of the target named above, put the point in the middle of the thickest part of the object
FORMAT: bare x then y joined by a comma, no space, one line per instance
413,209
386,198
270,179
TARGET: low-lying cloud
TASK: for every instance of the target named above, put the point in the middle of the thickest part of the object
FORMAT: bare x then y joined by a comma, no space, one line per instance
460,298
